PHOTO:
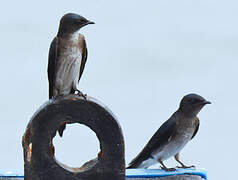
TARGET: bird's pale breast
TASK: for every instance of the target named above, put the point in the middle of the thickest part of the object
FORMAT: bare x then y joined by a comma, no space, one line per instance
68,65
176,143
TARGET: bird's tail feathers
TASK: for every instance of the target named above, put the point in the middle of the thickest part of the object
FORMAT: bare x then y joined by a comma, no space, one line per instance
135,163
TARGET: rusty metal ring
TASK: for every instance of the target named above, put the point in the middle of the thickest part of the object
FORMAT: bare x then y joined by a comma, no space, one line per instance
40,163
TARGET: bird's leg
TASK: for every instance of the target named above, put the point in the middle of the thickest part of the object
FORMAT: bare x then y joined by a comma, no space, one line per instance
164,167
81,94
176,157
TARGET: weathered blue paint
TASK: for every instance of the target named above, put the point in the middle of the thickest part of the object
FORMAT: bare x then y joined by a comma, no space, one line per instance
11,174
130,173
150,173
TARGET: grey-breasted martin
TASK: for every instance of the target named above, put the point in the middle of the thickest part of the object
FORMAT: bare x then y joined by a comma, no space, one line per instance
67,57
173,135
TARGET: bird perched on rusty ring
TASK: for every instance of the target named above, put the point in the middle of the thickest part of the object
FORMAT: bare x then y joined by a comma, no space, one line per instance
173,135
67,57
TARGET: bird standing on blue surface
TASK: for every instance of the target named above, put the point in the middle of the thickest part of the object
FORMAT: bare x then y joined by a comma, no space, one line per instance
173,135
67,57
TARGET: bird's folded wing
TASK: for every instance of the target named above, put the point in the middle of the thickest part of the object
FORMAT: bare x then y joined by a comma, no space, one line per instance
197,127
52,65
159,139
84,58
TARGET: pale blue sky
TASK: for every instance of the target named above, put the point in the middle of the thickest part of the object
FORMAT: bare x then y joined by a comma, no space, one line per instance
144,56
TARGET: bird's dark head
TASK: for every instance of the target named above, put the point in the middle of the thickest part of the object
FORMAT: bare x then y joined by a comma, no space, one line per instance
71,23
191,104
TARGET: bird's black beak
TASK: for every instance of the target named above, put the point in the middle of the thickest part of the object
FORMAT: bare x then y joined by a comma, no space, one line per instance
91,22
86,23
203,103
206,102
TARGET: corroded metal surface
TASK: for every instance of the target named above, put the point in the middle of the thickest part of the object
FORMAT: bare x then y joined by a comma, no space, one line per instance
39,161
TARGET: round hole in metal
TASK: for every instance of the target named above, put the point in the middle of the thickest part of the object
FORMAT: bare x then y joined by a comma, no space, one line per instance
78,145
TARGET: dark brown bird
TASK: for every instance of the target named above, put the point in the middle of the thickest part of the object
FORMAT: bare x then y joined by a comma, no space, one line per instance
173,135
67,57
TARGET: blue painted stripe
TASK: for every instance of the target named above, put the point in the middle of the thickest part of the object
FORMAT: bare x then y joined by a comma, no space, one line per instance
11,174
146,173
130,173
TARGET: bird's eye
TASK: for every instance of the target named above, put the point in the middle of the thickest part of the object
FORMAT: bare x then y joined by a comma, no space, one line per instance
84,21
